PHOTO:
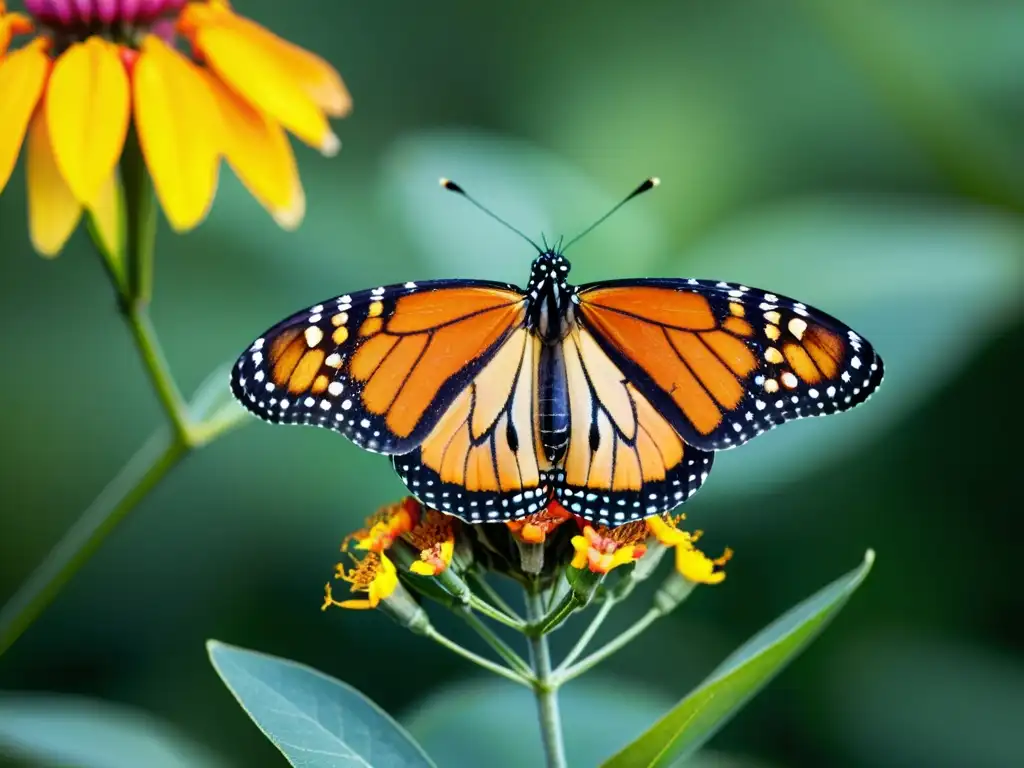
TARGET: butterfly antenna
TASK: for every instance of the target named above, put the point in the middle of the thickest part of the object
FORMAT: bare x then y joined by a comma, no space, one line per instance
648,185
451,186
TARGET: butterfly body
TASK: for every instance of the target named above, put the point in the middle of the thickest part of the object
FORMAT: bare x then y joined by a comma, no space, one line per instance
611,397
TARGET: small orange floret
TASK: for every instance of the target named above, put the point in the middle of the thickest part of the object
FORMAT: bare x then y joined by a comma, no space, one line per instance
434,537
603,549
386,525
534,529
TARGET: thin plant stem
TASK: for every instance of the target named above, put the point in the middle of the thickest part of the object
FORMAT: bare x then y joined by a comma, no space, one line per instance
158,456
140,220
552,619
220,423
488,610
159,373
545,687
480,584
587,636
480,661
500,647
610,647
154,460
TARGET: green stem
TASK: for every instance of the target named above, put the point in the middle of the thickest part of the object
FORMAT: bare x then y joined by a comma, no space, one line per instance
138,477
159,373
158,456
480,584
488,610
545,623
606,650
588,635
140,218
500,647
545,687
480,661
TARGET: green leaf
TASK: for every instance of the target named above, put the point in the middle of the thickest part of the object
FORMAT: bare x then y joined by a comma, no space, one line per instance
745,672
315,720
86,733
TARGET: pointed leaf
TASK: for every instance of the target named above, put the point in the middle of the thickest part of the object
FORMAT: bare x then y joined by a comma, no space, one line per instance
699,716
315,720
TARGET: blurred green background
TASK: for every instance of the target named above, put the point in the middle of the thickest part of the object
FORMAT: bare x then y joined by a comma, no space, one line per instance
865,157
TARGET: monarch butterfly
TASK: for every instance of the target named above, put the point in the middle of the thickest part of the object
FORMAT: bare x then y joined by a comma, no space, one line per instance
610,397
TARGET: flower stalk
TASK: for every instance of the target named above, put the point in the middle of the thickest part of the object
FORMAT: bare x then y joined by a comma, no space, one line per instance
545,687
565,569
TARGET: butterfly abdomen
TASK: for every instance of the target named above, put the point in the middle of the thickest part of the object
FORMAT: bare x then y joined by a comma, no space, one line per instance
553,402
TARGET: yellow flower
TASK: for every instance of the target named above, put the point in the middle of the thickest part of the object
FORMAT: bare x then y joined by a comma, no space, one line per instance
534,529
75,90
603,549
434,537
691,563
374,575
385,525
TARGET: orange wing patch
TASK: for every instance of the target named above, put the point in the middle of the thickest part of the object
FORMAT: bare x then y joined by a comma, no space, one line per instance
661,306
688,366
724,362
617,440
485,440
379,366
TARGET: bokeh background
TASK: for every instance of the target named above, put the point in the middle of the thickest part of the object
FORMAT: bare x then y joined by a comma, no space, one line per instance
865,157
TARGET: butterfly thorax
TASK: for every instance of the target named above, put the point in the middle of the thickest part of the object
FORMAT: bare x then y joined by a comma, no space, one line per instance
549,296
549,316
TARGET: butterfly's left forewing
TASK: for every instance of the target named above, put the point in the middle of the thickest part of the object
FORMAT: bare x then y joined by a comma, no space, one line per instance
380,366
723,362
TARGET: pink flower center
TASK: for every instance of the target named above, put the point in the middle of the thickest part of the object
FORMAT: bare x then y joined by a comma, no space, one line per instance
84,13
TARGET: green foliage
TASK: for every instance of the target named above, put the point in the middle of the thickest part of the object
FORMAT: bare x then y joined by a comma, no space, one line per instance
316,721
747,670
86,733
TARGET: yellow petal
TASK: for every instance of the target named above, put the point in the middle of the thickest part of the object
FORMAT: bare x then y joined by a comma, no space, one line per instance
257,149
582,549
179,130
87,104
22,79
422,569
107,214
695,566
246,65
318,79
53,211
359,605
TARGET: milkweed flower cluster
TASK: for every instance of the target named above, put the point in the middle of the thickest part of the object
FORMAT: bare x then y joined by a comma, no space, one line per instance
192,82
407,549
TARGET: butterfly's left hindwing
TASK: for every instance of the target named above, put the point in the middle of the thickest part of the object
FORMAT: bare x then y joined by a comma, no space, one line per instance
379,366
724,362
482,460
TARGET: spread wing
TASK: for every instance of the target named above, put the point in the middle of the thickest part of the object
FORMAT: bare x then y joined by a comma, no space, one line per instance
380,366
624,460
482,461
723,362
